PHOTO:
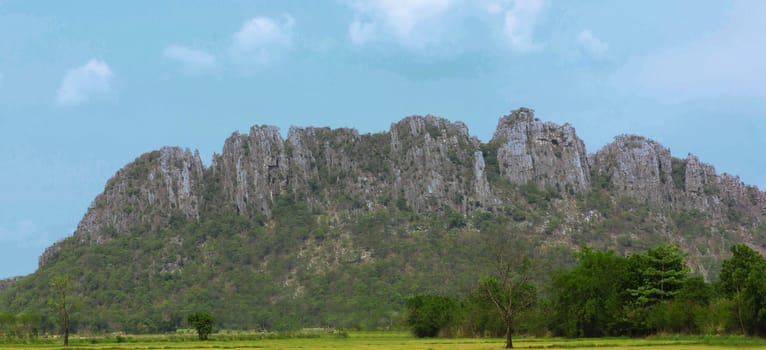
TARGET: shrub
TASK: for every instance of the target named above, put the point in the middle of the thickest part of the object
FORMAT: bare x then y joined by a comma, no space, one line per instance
202,322
427,315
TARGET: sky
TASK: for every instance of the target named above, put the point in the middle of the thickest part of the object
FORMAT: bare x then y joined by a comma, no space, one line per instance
88,86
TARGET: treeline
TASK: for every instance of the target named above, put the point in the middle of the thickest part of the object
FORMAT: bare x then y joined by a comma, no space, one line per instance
22,325
610,295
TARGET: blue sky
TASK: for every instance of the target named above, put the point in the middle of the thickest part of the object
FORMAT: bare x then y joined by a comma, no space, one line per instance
87,86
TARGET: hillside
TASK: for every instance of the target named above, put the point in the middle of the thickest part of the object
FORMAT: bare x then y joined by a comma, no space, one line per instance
335,228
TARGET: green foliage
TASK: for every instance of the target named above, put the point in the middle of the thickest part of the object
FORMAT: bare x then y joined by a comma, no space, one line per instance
660,274
608,295
678,173
690,223
535,195
427,315
491,166
743,279
22,325
587,299
202,322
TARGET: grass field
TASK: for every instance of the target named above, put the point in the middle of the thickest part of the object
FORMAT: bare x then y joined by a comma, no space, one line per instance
379,340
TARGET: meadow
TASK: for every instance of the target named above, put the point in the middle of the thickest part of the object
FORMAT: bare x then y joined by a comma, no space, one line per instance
376,340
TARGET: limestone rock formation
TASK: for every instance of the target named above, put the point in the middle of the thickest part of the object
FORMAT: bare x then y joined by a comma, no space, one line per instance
546,154
637,167
724,196
148,191
424,163
252,169
437,163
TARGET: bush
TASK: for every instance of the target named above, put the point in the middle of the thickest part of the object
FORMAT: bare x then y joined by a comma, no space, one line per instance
202,322
427,315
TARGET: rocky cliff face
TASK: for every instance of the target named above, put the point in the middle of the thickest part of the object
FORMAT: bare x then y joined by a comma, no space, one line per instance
426,163
252,169
723,196
644,169
436,163
547,154
148,191
637,167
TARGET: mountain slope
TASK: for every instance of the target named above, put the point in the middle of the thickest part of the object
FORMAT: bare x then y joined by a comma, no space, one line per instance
335,228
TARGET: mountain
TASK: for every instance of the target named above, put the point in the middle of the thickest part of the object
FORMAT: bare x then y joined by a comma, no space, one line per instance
330,227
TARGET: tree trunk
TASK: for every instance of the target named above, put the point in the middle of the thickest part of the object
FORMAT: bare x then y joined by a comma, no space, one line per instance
508,334
66,329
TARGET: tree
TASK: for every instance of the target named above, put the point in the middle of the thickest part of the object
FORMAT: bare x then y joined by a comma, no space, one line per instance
587,299
63,300
510,291
427,315
743,278
661,272
202,322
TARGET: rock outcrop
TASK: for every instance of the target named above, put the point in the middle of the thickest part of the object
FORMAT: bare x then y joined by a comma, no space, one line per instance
437,163
546,154
642,168
149,191
724,195
252,169
156,185
424,163
637,167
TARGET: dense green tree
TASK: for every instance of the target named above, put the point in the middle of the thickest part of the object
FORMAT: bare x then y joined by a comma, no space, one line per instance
743,279
427,315
202,322
661,272
587,299
686,312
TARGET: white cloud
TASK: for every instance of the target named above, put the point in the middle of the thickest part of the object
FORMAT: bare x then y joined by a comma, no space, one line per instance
591,44
80,84
412,22
519,24
192,60
261,39
435,23
729,62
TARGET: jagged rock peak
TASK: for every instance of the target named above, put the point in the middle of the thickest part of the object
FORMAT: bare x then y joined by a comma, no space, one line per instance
147,191
435,127
436,164
544,153
253,169
637,166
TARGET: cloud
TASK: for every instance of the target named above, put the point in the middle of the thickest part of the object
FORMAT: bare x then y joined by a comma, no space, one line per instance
591,44
729,62
432,24
411,23
261,39
192,60
82,83
519,24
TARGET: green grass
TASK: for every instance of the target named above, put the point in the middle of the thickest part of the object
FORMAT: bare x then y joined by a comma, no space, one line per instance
308,340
